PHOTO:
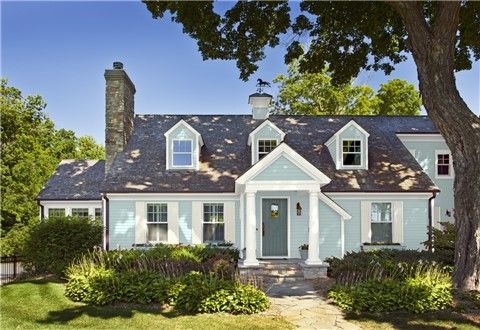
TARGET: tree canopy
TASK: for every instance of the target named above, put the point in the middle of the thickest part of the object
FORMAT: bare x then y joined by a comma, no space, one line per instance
315,94
31,148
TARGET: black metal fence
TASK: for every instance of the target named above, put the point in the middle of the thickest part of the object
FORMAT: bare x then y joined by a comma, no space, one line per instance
10,268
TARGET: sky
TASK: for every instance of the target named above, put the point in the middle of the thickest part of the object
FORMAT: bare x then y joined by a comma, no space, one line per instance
60,50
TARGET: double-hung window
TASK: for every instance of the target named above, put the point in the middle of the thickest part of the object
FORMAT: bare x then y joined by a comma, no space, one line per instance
213,223
157,222
98,213
352,153
381,222
265,146
80,212
182,153
444,164
56,212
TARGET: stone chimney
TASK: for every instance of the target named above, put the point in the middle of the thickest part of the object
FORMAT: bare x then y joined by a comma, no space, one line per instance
119,111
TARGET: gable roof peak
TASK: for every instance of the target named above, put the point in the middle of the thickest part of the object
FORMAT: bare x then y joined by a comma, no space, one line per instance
266,122
189,127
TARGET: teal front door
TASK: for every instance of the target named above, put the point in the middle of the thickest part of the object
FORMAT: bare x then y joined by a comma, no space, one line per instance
274,227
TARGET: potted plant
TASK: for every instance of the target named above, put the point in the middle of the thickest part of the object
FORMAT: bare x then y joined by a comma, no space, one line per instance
303,251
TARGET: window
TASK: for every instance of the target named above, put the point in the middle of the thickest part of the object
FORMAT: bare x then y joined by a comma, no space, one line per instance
182,153
352,152
381,222
52,213
265,146
98,213
443,164
213,224
157,226
80,212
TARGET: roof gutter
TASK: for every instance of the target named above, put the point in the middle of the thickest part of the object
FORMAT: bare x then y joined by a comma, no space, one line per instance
106,222
430,220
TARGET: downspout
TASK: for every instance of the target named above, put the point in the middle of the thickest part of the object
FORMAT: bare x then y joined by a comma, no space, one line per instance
106,221
430,220
42,209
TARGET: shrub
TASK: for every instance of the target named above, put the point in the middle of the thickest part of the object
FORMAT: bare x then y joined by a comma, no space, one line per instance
427,289
242,299
54,243
13,243
443,240
97,286
360,266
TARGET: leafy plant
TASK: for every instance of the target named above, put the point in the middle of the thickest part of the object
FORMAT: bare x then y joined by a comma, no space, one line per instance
54,243
241,299
303,247
443,239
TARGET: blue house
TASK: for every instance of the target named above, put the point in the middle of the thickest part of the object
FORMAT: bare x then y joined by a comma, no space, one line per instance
265,183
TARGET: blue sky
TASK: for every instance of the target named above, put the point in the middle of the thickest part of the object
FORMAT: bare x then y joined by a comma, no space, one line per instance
61,49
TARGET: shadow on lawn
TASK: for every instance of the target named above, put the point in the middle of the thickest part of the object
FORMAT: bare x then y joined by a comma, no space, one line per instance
401,320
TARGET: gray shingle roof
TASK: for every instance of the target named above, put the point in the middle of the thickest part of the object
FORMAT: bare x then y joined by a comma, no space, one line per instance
225,155
75,180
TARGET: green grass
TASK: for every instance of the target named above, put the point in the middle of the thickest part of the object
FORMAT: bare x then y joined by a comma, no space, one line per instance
41,304
431,321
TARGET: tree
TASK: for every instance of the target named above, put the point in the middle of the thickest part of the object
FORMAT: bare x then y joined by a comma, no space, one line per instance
441,36
314,94
31,148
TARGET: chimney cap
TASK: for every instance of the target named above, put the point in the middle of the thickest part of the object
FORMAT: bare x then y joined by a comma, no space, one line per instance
118,65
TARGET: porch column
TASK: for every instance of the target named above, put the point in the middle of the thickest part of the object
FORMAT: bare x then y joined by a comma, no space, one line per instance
313,231
251,232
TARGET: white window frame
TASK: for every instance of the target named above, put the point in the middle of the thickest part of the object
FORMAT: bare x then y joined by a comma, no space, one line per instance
361,155
391,217
156,222
80,208
56,208
183,153
212,222
258,146
450,164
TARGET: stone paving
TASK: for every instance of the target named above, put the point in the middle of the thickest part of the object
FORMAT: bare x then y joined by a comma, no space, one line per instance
298,302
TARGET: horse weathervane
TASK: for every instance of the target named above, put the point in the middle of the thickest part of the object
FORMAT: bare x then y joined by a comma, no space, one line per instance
261,85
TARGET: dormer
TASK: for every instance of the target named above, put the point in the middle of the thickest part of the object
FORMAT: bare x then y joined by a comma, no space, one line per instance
349,147
183,144
266,137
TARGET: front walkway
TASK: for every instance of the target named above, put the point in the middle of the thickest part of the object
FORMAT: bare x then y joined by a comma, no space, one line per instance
299,304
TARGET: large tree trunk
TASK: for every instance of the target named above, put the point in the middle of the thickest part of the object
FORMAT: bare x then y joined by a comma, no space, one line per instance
433,49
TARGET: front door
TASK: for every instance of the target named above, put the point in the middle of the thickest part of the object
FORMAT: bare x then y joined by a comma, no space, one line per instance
274,227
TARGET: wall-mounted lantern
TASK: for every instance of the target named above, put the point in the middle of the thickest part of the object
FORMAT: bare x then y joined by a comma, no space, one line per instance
299,209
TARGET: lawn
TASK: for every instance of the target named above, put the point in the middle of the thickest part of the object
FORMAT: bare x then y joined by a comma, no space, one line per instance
41,303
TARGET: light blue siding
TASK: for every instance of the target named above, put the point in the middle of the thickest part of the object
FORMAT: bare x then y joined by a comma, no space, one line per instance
122,224
266,133
282,169
330,232
415,223
350,133
425,156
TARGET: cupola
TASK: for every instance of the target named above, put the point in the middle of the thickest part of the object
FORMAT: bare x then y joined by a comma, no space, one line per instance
260,101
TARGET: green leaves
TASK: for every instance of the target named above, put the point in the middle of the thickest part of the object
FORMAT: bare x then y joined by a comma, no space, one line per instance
31,148
315,94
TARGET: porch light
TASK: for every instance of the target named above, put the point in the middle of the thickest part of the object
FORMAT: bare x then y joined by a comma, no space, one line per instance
299,209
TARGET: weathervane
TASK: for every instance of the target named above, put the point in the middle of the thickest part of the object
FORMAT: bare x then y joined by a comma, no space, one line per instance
261,85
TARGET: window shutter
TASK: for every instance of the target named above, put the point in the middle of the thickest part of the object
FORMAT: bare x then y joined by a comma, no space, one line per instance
397,224
229,218
365,222
140,223
172,209
197,222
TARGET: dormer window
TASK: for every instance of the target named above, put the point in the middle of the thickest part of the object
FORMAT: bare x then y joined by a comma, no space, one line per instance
182,155
265,146
352,152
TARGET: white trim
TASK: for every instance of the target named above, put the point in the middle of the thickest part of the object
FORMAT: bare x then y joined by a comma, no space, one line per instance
334,206
261,126
202,214
69,204
242,222
450,164
173,196
342,236
362,195
145,216
284,150
197,222
434,137
261,228
413,152
190,128
362,161
282,185
192,164
347,125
